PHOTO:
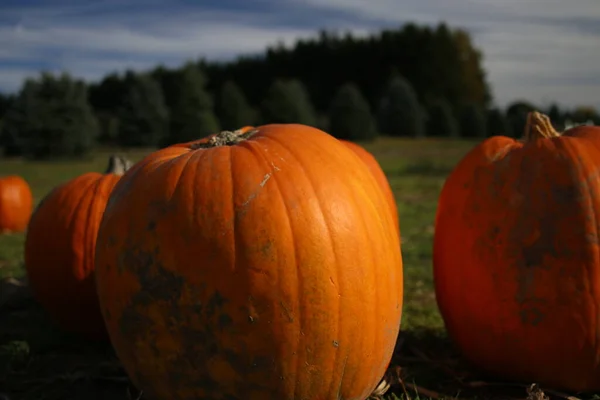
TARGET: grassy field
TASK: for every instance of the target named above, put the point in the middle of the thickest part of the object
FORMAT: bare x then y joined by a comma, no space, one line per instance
37,361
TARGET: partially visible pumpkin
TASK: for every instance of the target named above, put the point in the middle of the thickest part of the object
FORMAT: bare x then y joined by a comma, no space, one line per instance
251,265
516,256
59,250
16,204
246,128
378,173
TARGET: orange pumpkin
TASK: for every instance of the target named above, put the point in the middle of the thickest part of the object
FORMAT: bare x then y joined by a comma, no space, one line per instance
516,264
246,128
378,173
59,250
16,204
251,265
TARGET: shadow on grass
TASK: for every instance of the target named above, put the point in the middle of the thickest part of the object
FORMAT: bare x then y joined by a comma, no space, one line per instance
426,365
38,361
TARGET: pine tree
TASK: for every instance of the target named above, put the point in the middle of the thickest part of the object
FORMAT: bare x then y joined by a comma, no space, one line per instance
287,101
234,110
516,114
143,116
473,122
400,113
497,124
192,112
350,116
50,118
556,117
441,120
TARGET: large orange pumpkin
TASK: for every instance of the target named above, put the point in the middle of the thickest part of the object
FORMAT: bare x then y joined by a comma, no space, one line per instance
378,173
262,264
16,204
516,256
59,250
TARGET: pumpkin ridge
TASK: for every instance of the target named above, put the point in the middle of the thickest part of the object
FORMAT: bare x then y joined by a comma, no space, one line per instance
300,286
195,170
376,283
91,208
351,375
365,156
378,342
335,256
83,201
124,187
180,174
105,184
309,178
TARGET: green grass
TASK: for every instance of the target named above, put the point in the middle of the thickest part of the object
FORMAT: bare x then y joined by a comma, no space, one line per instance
37,361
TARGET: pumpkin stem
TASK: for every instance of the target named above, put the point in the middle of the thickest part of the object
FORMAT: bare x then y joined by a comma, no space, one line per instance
117,165
538,126
226,138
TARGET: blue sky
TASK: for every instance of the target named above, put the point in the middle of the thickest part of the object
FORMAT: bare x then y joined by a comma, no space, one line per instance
539,50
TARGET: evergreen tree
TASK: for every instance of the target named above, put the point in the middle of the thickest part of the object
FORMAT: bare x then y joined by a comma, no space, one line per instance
192,115
51,117
107,98
350,116
5,103
400,113
287,101
441,120
15,126
234,111
168,80
497,124
107,95
143,116
556,117
323,122
473,122
585,115
439,62
516,113
109,128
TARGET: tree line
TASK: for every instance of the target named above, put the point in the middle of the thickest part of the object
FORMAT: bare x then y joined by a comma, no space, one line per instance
415,81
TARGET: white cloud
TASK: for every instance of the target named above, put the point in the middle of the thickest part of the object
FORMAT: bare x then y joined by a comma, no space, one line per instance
14,77
522,40
543,8
532,49
92,50
211,38
91,46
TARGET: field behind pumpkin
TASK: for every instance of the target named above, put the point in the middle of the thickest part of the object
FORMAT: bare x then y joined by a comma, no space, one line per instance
39,362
